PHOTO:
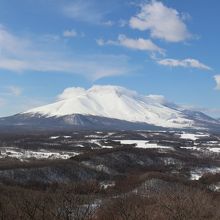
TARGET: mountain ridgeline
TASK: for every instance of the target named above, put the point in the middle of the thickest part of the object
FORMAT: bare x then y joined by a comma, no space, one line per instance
108,108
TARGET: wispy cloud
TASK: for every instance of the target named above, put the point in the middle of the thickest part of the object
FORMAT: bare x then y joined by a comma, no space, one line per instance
11,90
14,90
187,63
20,104
134,44
21,54
70,33
2,102
213,112
122,22
162,22
108,23
86,11
217,80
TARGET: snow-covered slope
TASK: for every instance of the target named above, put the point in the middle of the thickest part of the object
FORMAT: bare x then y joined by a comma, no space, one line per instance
118,103
107,108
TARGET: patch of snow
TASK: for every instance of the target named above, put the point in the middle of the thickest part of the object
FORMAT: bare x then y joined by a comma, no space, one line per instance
143,144
106,146
106,185
54,137
80,145
28,154
111,133
93,136
212,142
95,141
214,149
204,149
191,148
192,136
215,187
199,172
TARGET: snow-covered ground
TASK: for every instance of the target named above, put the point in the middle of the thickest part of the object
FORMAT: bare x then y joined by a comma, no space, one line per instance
193,136
204,149
214,149
107,184
98,142
215,187
199,172
143,144
28,154
56,137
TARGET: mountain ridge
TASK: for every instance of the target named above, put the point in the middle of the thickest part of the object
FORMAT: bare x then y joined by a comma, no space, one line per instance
111,107
114,102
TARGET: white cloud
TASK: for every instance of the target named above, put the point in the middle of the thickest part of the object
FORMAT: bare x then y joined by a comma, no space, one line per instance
70,33
190,63
217,80
100,42
10,44
19,54
12,64
70,92
14,90
162,22
139,44
108,23
50,38
135,44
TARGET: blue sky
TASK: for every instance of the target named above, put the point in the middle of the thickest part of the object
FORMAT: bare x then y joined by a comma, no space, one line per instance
169,48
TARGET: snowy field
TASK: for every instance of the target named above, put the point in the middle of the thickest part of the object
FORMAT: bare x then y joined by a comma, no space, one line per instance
64,147
191,136
28,154
193,142
144,144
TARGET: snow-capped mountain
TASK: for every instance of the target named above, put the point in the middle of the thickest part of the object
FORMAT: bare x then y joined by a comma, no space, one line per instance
114,102
112,106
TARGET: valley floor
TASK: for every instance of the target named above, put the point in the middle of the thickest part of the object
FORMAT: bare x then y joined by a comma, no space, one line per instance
110,175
